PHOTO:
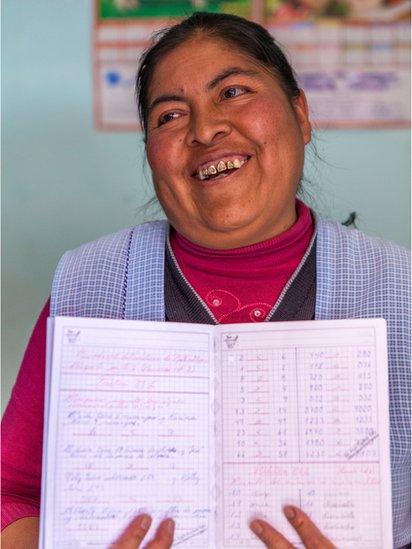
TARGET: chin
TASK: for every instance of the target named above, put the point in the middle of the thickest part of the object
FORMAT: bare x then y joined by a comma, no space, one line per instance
230,227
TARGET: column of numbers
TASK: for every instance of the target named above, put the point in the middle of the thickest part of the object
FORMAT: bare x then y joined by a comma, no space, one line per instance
285,406
247,433
311,373
365,413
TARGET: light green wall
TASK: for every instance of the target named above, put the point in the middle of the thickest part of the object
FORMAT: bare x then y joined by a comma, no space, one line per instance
65,184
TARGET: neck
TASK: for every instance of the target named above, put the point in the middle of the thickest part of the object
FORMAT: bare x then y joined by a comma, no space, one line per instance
240,237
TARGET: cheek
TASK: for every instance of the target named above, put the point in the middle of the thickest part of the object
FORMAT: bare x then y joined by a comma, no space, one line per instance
270,128
281,148
158,152
162,154
152,152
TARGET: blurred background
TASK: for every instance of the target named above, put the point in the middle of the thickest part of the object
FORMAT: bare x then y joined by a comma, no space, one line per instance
65,183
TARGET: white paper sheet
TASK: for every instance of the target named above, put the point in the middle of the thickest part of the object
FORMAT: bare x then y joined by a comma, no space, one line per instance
214,426
301,424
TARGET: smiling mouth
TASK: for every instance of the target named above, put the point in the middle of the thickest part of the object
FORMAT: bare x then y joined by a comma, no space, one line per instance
221,169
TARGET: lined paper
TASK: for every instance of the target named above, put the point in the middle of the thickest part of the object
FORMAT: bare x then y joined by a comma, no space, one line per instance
132,431
301,425
214,426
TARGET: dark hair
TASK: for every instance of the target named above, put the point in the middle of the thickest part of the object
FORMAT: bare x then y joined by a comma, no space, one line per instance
247,36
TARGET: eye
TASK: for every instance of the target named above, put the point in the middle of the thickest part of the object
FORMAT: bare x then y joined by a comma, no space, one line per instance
168,117
234,91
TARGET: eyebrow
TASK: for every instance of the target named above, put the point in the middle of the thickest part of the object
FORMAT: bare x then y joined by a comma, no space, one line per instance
164,99
231,71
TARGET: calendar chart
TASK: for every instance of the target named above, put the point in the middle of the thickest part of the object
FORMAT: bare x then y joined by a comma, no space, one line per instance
300,426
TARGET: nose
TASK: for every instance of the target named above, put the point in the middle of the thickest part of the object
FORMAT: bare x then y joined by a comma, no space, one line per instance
207,126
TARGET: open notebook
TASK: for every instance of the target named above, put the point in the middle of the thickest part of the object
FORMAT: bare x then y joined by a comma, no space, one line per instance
213,426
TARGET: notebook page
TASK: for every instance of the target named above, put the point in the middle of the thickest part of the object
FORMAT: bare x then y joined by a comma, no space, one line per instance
47,384
130,430
304,421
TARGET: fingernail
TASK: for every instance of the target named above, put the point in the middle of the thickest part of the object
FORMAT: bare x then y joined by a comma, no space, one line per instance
290,512
145,522
170,526
256,527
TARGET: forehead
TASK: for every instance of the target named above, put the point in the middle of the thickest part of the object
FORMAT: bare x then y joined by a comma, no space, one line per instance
196,60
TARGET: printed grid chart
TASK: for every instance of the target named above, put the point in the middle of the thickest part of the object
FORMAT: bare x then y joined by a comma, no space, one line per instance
355,73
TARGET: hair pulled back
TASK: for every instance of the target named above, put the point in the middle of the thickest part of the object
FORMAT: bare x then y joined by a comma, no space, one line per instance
248,37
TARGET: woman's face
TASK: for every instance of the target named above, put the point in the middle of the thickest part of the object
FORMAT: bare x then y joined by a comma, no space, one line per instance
212,108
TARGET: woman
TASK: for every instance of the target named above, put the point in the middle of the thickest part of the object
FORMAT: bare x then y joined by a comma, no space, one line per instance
226,127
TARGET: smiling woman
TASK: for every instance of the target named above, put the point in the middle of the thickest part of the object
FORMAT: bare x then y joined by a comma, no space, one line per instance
225,93
210,104
226,127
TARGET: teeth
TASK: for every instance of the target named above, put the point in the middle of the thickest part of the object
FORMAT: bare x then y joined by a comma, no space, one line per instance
205,173
221,167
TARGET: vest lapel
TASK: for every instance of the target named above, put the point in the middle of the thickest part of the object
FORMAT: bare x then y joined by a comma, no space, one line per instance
144,284
326,275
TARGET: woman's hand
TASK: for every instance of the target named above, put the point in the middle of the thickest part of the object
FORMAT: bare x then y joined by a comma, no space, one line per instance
134,534
311,536
21,534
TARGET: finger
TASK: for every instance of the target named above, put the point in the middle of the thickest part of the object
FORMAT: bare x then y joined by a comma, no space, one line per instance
270,537
310,534
133,536
164,535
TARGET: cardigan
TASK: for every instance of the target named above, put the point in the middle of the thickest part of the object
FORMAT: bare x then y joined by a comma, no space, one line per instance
122,276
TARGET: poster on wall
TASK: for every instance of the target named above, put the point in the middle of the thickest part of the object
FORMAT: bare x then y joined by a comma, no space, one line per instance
352,57
122,31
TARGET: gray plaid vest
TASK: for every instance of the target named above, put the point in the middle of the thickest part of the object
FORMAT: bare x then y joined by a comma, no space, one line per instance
122,276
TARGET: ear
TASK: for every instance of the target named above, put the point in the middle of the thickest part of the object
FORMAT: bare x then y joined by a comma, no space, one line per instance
300,106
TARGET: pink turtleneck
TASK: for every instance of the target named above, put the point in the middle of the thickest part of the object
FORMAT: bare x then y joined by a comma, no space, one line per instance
243,284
